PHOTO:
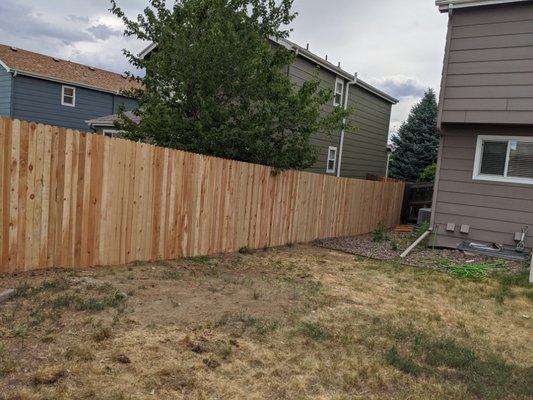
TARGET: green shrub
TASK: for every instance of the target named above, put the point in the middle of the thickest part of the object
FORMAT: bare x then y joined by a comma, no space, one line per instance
428,173
380,233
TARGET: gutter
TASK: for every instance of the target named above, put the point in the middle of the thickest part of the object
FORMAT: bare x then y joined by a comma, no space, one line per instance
315,59
448,5
343,132
15,72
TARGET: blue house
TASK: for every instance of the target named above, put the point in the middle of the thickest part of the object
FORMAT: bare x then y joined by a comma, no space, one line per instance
40,88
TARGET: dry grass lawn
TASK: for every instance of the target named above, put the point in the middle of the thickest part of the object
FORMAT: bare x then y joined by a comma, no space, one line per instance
289,323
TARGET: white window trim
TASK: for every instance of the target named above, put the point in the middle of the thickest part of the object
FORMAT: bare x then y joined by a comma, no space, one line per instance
328,170
113,132
341,81
63,87
477,176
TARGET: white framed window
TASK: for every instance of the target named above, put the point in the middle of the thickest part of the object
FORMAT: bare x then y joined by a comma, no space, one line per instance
504,159
68,96
339,91
109,132
332,160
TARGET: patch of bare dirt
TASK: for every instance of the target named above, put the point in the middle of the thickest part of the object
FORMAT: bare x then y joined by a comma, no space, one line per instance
287,323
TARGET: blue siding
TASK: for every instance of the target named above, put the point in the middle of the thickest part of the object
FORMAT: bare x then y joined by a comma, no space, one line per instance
40,100
129,104
5,92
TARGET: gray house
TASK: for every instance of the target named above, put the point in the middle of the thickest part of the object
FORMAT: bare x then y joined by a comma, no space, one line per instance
354,154
40,88
484,189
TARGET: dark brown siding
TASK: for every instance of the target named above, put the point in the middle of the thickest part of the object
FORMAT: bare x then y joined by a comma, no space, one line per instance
494,210
489,72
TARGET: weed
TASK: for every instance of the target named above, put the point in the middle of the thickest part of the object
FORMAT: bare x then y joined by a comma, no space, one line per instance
474,272
101,333
23,290
246,250
421,229
394,245
487,377
508,281
314,331
477,271
171,275
21,333
402,363
7,364
380,233
201,260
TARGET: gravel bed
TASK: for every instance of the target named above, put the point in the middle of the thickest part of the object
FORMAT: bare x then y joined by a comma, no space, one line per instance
390,250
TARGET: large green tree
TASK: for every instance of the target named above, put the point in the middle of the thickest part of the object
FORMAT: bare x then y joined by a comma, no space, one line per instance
216,84
417,142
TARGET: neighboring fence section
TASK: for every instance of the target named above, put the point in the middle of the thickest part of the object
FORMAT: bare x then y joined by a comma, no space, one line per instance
417,196
71,199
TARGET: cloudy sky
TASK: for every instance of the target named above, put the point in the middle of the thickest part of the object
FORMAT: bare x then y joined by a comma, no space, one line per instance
395,45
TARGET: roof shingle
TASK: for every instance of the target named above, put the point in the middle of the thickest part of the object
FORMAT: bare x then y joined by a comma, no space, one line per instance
42,65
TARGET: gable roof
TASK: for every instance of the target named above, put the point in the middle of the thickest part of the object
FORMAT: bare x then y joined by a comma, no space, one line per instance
109,120
446,5
303,52
50,68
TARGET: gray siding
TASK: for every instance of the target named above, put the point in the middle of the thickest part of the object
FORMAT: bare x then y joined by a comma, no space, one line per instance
365,144
40,100
488,77
5,92
494,210
300,71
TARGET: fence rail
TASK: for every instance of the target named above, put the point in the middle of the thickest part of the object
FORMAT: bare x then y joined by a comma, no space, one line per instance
74,199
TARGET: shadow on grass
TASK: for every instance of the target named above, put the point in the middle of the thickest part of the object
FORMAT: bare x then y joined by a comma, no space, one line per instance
487,377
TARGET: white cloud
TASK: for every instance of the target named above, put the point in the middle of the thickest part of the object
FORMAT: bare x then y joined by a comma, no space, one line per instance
103,32
400,86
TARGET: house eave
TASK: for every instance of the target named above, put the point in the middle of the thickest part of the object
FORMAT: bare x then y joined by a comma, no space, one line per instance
4,65
376,91
147,50
447,5
57,80
315,59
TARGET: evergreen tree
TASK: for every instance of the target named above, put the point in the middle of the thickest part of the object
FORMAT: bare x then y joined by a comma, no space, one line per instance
417,142
216,85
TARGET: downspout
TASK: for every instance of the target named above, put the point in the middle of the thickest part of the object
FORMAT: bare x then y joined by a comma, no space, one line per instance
341,145
11,101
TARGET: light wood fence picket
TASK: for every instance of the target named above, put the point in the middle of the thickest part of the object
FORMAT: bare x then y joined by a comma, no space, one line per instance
75,199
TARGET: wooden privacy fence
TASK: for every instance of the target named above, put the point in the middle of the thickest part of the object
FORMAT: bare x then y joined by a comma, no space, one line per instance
76,199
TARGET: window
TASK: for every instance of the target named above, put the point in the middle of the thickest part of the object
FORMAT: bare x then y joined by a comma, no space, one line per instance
339,90
332,160
68,96
109,132
504,159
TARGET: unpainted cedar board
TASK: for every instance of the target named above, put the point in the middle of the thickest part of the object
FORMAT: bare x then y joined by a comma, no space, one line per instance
86,200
